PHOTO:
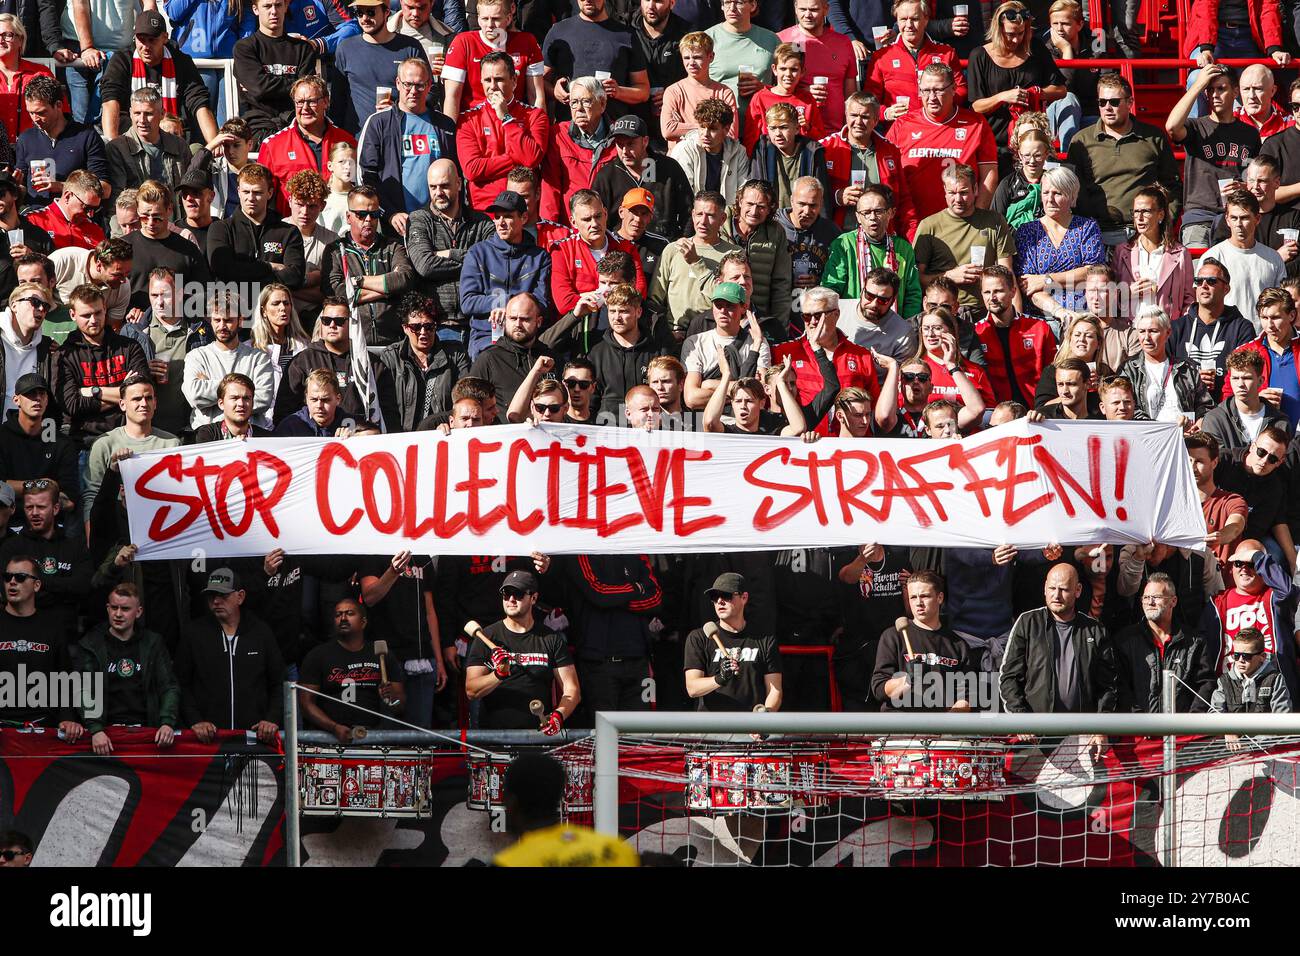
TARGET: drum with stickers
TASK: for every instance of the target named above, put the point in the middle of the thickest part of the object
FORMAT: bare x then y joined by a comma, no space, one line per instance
900,767
487,778
364,783
755,780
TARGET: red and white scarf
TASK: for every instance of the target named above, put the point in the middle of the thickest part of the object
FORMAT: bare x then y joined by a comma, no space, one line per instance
140,79
864,257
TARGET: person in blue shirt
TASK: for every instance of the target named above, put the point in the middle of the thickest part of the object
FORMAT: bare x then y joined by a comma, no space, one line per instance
326,23
207,30
367,63
397,147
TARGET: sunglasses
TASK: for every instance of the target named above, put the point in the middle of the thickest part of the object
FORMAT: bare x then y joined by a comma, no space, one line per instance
35,302
1243,565
420,328
1295,107
20,576
36,484
365,213
915,376
1206,280
513,594
1267,456
581,383
1015,16
820,314
866,296
1111,100
1243,655
546,409
333,320
10,855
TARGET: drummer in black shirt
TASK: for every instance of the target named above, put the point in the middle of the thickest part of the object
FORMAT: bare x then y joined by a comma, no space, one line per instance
348,670
925,646
527,658
749,675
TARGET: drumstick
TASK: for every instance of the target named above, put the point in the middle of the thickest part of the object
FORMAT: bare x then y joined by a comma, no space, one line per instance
473,630
359,732
538,710
711,630
901,626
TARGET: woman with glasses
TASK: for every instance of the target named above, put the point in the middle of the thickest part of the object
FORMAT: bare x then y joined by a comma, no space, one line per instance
951,376
1053,253
1082,340
1154,266
15,74
1014,73
1019,197
277,331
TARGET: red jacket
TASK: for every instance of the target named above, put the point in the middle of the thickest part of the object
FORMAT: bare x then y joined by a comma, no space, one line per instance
1203,26
1032,349
80,231
854,367
488,148
889,164
286,152
893,73
1260,346
573,269
568,168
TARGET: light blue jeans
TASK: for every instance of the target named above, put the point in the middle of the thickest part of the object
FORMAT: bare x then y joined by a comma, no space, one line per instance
83,93
1066,117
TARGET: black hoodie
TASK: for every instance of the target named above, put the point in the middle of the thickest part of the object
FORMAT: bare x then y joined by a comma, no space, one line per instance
619,368
240,250
505,363
24,456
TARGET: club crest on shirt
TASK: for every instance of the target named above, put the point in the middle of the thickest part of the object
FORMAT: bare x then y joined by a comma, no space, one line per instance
1027,341
960,134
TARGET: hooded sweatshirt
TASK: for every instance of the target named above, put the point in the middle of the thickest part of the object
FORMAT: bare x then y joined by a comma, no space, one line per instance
19,359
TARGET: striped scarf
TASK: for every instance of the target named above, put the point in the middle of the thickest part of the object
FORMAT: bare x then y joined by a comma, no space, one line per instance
140,79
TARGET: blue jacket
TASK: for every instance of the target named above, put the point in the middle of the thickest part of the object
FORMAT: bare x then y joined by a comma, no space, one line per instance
379,154
855,18
327,20
205,29
493,267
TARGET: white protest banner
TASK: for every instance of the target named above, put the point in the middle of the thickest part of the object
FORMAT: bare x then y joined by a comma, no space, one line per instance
568,489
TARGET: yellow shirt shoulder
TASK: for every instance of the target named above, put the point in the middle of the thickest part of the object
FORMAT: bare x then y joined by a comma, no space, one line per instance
565,845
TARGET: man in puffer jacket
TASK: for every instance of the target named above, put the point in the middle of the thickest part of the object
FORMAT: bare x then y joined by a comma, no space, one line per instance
415,376
763,240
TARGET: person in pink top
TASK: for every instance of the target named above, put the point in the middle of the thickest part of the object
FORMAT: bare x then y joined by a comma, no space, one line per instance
677,117
788,72
828,54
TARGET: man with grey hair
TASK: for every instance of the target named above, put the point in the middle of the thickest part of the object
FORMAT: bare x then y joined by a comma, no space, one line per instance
1166,389
577,148
825,362
961,240
144,151
810,235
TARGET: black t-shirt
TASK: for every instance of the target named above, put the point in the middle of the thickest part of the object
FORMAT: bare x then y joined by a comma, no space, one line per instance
872,603
535,656
1004,338
909,425
1284,149
938,652
1214,151
35,643
713,172
331,667
758,655
986,78
769,423
125,701
576,47
174,252
1265,494
401,613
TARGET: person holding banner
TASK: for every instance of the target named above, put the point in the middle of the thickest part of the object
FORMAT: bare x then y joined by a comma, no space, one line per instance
235,399
951,376
332,351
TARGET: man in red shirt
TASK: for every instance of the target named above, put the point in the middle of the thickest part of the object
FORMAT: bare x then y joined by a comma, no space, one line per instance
460,74
939,135
892,74
857,156
1260,598
67,219
854,365
1225,512
500,133
574,258
306,143
1018,347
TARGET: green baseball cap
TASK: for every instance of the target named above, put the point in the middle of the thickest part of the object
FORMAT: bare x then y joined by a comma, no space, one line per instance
732,292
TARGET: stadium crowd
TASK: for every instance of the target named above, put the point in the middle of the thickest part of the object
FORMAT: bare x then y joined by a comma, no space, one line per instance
824,218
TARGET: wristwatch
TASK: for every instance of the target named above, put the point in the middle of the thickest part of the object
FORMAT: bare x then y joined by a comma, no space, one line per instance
96,392
954,370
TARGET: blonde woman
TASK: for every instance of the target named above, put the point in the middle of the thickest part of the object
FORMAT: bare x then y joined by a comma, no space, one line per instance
1082,340
15,74
277,331
1013,73
1019,197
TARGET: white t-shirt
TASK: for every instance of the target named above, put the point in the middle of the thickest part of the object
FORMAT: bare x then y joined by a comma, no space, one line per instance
700,351
1160,379
1252,423
1252,270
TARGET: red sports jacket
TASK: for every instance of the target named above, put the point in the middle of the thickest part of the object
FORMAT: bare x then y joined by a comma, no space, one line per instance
1260,346
568,168
286,152
1203,25
893,73
889,163
573,269
489,148
1032,349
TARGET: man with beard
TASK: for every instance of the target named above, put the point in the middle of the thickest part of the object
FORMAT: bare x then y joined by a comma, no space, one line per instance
509,253
348,665
1145,651
507,362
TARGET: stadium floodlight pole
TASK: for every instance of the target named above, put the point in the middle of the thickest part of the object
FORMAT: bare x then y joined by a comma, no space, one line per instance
292,818
609,725
1169,779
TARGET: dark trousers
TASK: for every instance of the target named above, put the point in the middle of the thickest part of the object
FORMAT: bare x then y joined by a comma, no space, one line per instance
614,685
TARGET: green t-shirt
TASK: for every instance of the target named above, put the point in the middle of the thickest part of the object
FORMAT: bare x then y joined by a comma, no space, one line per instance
944,241
731,51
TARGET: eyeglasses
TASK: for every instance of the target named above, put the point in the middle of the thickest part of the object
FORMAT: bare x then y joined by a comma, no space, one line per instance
1244,655
1206,280
36,302
546,409
419,328
1015,16
365,213
915,376
299,104
20,576
875,212
411,86
580,383
36,484
8,37
866,296
10,855
513,594
333,320
935,90
1111,100
1267,456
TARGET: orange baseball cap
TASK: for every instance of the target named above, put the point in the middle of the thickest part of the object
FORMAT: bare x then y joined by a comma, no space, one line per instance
638,197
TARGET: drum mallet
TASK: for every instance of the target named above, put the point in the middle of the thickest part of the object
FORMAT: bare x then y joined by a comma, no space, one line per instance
711,630
381,651
538,710
900,625
473,630
359,733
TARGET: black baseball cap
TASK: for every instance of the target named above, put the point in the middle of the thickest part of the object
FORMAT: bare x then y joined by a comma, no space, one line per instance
508,201
196,179
727,584
222,581
31,382
524,581
150,24
629,126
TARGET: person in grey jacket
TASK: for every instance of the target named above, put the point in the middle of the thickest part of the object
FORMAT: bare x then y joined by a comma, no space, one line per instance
205,367
415,376
437,239
1226,422
128,163
1250,684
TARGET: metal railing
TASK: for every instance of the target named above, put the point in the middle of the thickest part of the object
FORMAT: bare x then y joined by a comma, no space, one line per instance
227,67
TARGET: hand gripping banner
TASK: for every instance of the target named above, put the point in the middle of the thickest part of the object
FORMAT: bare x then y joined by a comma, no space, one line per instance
581,489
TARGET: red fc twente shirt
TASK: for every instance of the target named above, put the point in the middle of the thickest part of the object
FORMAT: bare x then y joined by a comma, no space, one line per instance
928,147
